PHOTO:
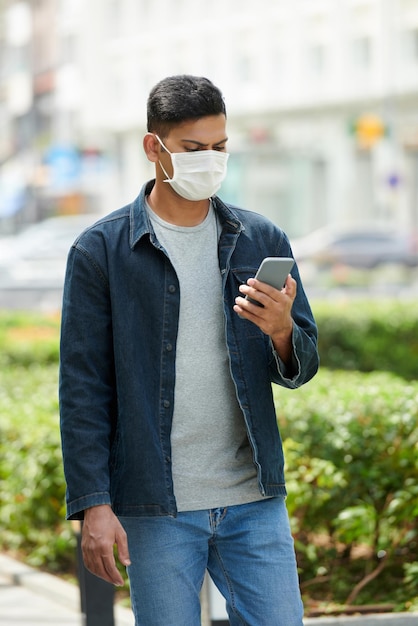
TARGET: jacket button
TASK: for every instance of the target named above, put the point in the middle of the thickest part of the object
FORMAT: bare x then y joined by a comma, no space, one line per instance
169,347
172,288
166,404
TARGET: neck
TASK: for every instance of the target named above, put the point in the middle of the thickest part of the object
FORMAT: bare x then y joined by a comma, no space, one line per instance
174,209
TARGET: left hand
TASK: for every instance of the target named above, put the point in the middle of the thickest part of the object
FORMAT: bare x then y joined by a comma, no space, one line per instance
274,317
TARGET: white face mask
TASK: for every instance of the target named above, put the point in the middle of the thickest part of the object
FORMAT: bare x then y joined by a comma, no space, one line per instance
196,175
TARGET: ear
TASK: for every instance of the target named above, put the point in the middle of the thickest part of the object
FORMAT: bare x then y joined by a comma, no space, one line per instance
151,147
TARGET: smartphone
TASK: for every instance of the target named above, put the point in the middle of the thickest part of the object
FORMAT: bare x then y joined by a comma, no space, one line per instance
274,271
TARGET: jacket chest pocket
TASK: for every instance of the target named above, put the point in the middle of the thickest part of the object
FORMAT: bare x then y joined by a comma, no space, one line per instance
240,277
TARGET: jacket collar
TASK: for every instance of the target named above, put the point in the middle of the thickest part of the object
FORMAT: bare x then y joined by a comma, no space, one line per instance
140,223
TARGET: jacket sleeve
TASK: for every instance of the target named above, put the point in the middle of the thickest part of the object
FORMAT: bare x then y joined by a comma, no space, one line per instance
86,387
304,340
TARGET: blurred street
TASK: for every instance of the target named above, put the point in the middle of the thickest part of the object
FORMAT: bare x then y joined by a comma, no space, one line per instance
40,299
322,102
30,598
48,299
33,261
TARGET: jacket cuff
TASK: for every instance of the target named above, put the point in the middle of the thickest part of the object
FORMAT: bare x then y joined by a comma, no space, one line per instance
289,373
76,508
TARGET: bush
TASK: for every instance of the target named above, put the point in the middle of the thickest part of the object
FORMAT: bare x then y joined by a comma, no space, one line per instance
351,443
368,336
28,338
32,488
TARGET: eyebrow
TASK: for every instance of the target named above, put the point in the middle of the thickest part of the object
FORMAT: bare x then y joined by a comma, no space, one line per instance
203,145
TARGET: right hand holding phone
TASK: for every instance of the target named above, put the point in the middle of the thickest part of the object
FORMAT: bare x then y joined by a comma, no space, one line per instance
274,318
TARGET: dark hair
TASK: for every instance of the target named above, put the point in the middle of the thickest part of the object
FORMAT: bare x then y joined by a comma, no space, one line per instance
177,99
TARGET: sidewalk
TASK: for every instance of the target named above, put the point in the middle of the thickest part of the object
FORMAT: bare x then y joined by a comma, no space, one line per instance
32,598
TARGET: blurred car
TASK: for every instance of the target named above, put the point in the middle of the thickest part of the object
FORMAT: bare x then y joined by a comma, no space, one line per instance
37,256
365,249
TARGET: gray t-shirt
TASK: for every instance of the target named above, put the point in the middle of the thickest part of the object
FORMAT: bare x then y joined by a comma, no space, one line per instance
212,458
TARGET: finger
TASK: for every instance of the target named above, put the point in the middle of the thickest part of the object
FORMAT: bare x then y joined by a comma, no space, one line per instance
248,306
255,296
290,286
99,560
248,311
104,567
111,571
257,288
96,567
122,545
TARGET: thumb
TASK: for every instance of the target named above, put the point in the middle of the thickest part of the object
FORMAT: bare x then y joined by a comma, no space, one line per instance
290,286
122,545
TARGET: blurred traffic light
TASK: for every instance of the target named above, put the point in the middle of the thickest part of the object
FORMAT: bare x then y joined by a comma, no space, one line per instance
368,128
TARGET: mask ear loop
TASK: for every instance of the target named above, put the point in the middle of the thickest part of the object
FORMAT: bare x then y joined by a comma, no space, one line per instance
161,165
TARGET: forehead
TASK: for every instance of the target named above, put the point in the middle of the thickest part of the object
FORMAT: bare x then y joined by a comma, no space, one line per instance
205,130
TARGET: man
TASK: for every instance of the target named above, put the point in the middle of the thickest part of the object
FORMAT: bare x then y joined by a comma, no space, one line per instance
169,431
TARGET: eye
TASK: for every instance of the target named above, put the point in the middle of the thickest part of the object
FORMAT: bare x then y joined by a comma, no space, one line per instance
220,147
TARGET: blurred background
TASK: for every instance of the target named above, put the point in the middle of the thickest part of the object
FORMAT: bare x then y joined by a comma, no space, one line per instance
322,101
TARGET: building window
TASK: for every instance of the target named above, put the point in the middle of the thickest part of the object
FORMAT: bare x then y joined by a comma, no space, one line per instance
317,58
243,66
410,44
361,52
68,48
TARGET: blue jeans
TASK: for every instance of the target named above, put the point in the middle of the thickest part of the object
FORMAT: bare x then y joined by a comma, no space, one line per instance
247,550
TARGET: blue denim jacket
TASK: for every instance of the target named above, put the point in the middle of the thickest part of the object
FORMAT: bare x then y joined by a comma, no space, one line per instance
118,354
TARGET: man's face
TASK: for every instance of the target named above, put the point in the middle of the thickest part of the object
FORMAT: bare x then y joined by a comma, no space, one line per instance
205,133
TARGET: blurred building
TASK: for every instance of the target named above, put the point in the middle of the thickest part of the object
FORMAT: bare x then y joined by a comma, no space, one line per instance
322,100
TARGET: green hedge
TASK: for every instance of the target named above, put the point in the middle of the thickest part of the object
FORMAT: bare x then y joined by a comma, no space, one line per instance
32,488
28,338
351,444
367,336
353,335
